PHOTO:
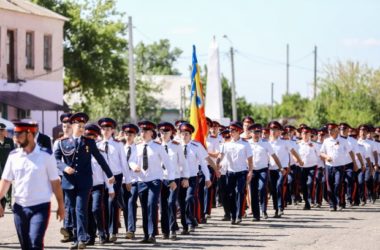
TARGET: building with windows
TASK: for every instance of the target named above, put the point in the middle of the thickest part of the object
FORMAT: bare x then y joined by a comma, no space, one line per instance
31,63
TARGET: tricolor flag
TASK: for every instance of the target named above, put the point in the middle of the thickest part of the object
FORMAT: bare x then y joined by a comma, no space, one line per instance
197,107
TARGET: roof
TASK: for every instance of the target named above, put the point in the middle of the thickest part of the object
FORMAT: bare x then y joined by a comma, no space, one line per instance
27,7
26,101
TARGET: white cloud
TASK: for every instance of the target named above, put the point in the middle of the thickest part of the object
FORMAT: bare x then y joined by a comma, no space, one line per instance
359,42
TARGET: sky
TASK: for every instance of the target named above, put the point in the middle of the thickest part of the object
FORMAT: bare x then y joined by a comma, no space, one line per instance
259,32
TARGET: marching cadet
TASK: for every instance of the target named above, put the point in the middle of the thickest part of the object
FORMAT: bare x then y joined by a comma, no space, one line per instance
213,143
247,121
6,146
96,205
35,176
262,151
67,229
150,158
196,155
319,177
117,161
349,168
334,151
364,176
76,151
309,153
222,181
130,197
361,163
240,166
370,180
284,150
169,196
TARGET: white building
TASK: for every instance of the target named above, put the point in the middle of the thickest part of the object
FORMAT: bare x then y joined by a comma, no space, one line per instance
31,63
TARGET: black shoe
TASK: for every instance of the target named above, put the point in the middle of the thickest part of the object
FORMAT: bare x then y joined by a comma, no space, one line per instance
265,215
102,241
233,222
192,229
173,235
203,221
90,242
74,245
276,215
145,240
255,219
151,240
165,236
130,235
281,213
225,218
81,245
67,235
185,232
306,208
238,221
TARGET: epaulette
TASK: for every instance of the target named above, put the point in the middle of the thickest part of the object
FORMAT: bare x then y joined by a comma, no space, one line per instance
193,143
298,142
157,142
116,140
245,139
138,143
175,142
62,138
46,150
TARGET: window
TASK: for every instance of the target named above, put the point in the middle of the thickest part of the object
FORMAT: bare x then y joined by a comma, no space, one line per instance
10,55
23,114
47,52
29,50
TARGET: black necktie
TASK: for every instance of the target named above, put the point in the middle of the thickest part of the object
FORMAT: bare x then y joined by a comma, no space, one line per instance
145,157
129,153
106,149
185,151
166,149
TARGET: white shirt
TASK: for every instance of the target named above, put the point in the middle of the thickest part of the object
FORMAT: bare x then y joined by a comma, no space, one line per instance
337,149
309,153
32,174
295,146
282,149
116,158
262,151
196,156
347,157
367,149
374,148
178,160
133,176
213,146
156,157
98,176
55,147
355,149
321,163
223,163
237,154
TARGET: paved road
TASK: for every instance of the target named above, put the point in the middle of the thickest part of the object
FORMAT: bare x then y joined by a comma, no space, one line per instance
357,228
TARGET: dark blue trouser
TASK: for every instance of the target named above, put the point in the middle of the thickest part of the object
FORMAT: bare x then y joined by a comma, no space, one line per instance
236,182
209,193
293,184
168,207
96,212
31,224
114,205
78,205
186,203
130,198
223,192
319,186
349,182
334,184
276,186
149,193
259,192
200,211
308,178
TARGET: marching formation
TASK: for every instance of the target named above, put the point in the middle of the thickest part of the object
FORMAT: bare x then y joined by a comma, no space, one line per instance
104,173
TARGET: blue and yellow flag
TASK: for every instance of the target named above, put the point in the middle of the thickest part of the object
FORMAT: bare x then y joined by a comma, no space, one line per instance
197,105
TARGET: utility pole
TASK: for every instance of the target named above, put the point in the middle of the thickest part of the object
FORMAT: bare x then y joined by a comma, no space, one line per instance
233,92
287,69
315,72
272,99
132,83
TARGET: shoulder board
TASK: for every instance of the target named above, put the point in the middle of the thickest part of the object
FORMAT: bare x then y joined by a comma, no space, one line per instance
193,143
63,138
245,139
46,150
157,142
139,143
298,142
175,142
116,140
